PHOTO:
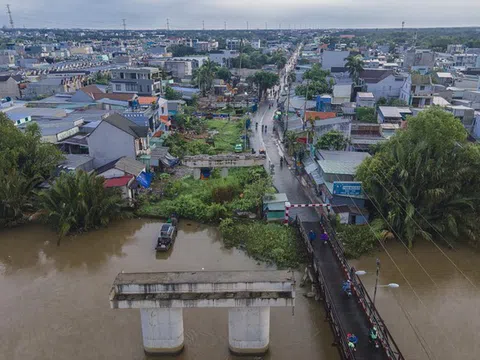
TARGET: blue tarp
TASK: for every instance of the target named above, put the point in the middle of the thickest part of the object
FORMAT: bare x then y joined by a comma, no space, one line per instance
145,179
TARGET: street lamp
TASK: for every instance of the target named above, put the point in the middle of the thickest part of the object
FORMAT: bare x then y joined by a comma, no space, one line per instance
391,285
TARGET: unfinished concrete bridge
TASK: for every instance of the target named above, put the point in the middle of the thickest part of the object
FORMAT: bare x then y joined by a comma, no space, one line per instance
162,296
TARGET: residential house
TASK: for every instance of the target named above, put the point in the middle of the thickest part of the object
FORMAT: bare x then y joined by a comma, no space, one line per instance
7,58
274,207
142,81
417,90
337,172
121,174
333,59
465,114
465,60
422,60
51,86
473,97
392,114
92,94
382,83
365,99
364,135
115,137
74,162
146,110
444,78
223,57
11,86
341,94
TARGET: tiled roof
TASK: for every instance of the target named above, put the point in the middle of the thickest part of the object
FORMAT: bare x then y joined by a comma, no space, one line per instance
114,96
117,182
373,76
147,100
319,115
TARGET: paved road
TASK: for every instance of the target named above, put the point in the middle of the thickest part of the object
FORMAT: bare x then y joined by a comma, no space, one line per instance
349,311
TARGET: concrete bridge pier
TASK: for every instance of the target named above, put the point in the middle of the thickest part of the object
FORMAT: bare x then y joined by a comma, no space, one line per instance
249,330
162,330
224,172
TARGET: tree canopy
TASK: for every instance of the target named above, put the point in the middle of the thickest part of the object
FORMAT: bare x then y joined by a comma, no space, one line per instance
317,83
332,140
204,76
25,161
263,80
354,66
78,201
171,94
426,180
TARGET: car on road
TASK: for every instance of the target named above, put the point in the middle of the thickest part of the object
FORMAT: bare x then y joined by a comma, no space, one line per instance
166,236
238,148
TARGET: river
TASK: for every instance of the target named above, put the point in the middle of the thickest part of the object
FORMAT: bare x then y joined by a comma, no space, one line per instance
54,299
440,317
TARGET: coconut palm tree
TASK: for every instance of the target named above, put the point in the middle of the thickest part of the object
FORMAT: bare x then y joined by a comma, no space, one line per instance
354,66
205,75
79,202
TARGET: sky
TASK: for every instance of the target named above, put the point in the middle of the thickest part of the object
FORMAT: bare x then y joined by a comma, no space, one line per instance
189,14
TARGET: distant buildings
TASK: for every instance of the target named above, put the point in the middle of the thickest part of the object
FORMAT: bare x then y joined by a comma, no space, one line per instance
10,86
422,60
382,83
334,59
417,90
142,81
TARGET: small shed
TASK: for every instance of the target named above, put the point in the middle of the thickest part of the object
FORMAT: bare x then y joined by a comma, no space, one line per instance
274,207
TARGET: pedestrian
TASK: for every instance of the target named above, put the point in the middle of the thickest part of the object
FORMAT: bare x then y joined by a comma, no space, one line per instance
263,126
265,129
324,237
312,236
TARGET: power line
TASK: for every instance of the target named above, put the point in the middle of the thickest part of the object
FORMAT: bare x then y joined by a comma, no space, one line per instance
10,16
438,247
397,267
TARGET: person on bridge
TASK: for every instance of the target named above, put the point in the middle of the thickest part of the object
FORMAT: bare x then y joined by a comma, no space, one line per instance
312,236
324,237
256,125
347,286
265,129
263,126
352,341
373,334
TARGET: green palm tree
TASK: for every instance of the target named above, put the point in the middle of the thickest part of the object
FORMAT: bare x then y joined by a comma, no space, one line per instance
205,75
79,202
354,66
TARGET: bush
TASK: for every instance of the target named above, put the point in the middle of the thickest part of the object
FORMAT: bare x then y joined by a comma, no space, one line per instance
357,240
273,243
366,115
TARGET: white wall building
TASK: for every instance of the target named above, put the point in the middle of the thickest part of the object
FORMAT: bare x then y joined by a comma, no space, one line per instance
331,59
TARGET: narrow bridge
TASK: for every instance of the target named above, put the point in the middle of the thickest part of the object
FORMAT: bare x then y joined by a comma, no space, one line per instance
346,315
162,296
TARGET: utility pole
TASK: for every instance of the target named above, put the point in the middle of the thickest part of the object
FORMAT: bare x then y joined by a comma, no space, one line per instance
124,28
376,281
10,16
247,25
203,25
288,107
168,24
403,25
305,106
225,25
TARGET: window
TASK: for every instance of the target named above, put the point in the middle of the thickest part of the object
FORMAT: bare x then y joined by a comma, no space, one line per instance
118,87
122,75
133,76
140,88
422,88
130,87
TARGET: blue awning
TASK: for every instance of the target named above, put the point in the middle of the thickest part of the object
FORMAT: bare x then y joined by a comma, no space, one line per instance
145,179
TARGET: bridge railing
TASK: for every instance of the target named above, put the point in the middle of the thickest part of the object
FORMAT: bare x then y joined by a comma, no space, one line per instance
373,316
331,313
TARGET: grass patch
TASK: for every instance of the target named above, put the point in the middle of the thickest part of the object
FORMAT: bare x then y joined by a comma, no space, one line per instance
269,242
229,134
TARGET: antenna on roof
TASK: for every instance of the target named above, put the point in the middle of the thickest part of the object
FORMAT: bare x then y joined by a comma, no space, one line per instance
10,16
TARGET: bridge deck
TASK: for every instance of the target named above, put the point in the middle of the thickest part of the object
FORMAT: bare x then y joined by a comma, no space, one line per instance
351,315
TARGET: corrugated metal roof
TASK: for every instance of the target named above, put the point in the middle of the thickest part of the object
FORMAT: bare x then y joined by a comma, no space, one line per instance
337,167
116,182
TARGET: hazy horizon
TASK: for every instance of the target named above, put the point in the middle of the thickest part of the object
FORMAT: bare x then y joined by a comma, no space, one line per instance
189,14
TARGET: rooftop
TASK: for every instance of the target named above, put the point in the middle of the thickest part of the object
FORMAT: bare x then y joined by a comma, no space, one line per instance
319,115
126,125
365,95
373,76
340,162
393,111
419,79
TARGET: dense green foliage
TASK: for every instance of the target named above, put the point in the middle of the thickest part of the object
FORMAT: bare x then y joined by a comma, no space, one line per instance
102,79
171,94
332,140
227,135
181,50
25,161
273,243
366,115
203,76
316,84
211,200
354,65
357,240
224,74
426,180
390,102
251,58
79,202
263,80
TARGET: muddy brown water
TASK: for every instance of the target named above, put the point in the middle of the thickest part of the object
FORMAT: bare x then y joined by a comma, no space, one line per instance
440,317
54,300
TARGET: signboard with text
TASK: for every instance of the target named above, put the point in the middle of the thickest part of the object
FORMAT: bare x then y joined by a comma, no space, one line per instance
351,188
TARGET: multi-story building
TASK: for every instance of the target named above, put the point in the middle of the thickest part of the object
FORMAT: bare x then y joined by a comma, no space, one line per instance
465,114
465,60
417,90
143,81
419,59
334,59
382,83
